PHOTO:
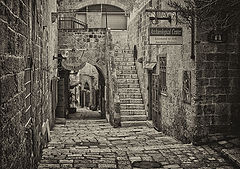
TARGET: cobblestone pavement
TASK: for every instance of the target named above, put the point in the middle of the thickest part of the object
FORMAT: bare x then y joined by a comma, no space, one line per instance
84,113
84,144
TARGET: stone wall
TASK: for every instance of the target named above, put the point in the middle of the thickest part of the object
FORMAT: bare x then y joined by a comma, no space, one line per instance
92,39
177,116
75,4
218,85
24,36
213,76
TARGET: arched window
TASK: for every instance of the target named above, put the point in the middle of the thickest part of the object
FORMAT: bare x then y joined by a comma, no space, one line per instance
103,16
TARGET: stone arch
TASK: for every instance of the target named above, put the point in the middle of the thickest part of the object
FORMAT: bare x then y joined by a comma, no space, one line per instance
95,2
94,59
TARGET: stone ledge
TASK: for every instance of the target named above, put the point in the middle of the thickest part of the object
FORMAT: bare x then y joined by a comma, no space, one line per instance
60,121
233,155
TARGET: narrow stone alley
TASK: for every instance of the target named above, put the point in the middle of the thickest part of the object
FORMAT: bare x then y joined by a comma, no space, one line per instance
119,84
82,144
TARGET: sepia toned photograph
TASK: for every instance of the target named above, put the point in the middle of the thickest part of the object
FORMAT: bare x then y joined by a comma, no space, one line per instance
120,84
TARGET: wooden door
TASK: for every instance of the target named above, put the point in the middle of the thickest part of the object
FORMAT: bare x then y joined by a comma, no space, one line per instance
156,113
150,90
60,112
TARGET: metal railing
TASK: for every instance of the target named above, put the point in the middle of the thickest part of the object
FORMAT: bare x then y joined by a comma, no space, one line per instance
71,23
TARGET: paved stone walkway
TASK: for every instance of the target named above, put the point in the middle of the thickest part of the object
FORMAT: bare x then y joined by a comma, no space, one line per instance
84,144
228,146
84,113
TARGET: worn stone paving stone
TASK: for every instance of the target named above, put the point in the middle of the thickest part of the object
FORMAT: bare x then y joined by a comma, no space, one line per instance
93,144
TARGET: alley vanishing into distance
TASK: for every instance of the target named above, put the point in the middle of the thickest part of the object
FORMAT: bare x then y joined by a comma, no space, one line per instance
119,84
80,144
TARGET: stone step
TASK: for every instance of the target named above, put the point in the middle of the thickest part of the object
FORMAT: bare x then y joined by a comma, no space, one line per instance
124,63
122,59
129,90
60,121
127,76
119,72
128,85
130,95
126,67
131,101
134,118
124,51
132,112
133,123
132,106
127,81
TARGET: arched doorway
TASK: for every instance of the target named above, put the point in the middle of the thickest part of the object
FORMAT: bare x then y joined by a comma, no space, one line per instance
100,94
86,95
91,90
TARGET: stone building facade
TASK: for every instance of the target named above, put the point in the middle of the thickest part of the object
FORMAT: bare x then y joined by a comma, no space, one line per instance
176,116
201,96
28,79
190,90
217,84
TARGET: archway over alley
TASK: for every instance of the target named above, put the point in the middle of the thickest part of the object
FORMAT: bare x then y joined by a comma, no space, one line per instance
87,87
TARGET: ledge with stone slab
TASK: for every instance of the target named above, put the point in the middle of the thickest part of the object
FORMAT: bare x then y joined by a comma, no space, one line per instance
229,147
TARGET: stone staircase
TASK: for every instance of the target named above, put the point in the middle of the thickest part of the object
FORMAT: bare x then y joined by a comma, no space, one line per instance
131,102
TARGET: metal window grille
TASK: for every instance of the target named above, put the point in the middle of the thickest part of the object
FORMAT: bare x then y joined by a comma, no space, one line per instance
163,74
28,87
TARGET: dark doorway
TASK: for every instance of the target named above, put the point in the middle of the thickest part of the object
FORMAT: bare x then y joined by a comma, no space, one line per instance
86,94
156,109
63,104
100,94
149,94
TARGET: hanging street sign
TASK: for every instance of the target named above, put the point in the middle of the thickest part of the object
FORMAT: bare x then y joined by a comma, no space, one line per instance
73,59
165,36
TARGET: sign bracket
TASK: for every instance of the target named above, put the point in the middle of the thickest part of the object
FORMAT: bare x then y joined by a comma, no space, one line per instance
154,15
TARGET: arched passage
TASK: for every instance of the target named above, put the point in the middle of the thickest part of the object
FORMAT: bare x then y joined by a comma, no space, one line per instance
100,94
86,94
92,92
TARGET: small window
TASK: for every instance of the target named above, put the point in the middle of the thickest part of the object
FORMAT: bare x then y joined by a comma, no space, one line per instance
163,73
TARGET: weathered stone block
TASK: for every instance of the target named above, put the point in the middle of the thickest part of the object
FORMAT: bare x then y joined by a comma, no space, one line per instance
217,90
208,74
220,65
221,99
208,109
15,7
234,73
204,65
21,46
11,108
11,65
8,88
206,48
